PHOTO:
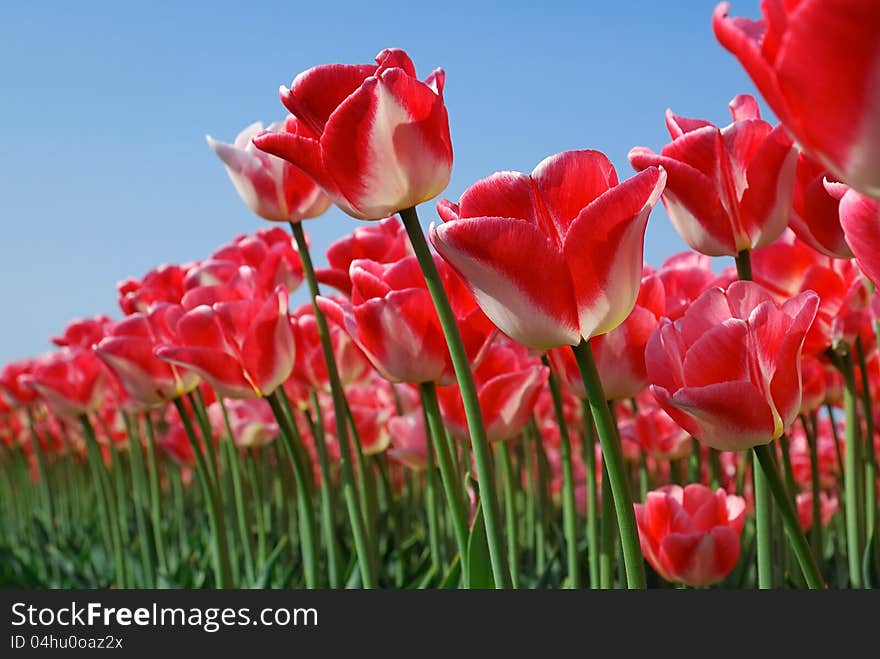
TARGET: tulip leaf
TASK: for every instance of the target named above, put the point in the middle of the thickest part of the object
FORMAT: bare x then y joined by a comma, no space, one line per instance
453,574
868,572
479,574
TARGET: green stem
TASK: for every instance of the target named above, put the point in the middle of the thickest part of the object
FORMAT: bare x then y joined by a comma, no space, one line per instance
349,490
222,569
449,476
852,472
305,513
141,499
234,465
763,528
155,492
787,470
589,457
870,481
694,463
328,522
479,441
613,460
509,511
789,515
569,516
606,534
834,434
812,443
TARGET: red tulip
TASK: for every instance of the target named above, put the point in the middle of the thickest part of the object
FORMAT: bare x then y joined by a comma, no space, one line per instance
72,381
392,319
384,242
691,535
619,354
826,452
242,348
860,219
14,384
728,189
162,284
815,216
268,251
83,332
508,383
251,421
128,352
271,187
371,405
554,256
813,384
310,367
828,505
798,52
728,371
653,431
684,277
374,137
409,441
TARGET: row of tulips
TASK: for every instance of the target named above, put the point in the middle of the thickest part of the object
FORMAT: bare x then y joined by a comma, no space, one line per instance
529,405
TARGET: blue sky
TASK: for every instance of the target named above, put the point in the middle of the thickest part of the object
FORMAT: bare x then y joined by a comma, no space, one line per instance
104,107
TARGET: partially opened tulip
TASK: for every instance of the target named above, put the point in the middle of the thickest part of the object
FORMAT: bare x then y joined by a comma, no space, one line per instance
508,384
83,332
271,187
242,348
728,189
383,242
860,219
815,216
555,256
72,381
409,440
250,420
728,371
393,321
690,534
128,347
269,251
161,284
373,136
14,383
797,52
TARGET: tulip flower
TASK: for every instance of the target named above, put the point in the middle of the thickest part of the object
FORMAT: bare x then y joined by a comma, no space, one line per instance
251,421
860,219
799,453
161,284
271,187
310,367
269,251
728,189
619,354
14,383
794,55
556,255
815,214
374,137
83,332
691,534
72,381
653,431
392,320
242,348
409,440
728,371
829,504
684,276
128,347
508,384
383,242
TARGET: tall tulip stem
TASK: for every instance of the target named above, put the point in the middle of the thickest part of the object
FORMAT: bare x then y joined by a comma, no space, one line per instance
476,428
340,411
796,537
616,469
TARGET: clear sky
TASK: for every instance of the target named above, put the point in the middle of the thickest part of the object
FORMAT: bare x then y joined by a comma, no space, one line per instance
104,107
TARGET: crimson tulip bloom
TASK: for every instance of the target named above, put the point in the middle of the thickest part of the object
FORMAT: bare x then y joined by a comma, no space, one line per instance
14,383
728,189
798,52
161,284
242,348
374,137
728,371
383,242
619,354
860,219
409,440
684,277
392,319
556,255
252,422
271,187
508,384
72,381
653,431
691,534
128,352
83,332
828,505
815,215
